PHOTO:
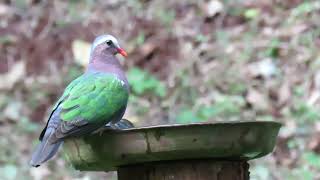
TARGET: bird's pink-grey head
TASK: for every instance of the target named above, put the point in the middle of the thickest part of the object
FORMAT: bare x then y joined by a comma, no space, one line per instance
102,56
107,43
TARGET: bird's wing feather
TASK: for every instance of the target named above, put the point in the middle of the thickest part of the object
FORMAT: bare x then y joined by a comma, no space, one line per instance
89,101
55,107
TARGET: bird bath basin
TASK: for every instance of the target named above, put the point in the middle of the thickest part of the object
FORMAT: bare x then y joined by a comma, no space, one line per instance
223,140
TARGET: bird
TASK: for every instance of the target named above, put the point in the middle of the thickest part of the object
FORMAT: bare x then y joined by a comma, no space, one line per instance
96,98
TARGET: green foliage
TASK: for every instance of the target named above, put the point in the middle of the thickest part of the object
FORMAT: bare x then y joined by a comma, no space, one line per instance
187,116
73,72
78,10
273,49
225,106
237,87
298,91
248,50
143,82
308,168
251,13
265,118
305,7
4,100
61,23
140,108
292,143
304,112
228,105
21,3
301,173
6,39
136,5
303,10
235,10
222,37
312,159
166,16
236,39
315,64
201,38
141,38
6,151
307,39
27,126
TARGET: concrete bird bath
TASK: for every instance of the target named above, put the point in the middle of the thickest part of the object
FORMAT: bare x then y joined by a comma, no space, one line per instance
194,151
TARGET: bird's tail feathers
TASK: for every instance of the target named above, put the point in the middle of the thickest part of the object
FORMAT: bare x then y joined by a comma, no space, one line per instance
44,151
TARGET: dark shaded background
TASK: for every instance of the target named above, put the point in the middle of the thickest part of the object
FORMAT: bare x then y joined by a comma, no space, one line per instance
189,61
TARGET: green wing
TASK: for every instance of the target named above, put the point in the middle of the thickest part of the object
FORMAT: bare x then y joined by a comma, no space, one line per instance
94,97
87,103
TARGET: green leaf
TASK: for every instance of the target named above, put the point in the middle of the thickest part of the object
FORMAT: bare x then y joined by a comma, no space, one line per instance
141,38
312,159
229,105
237,87
305,112
224,106
187,116
166,16
251,13
6,39
302,172
28,126
207,112
298,91
142,82
201,38
222,37
161,91
273,49
305,7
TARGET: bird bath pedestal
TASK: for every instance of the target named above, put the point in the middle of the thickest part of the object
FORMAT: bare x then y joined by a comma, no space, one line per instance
217,151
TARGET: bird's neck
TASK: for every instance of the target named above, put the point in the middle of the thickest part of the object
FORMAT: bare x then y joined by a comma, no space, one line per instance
106,63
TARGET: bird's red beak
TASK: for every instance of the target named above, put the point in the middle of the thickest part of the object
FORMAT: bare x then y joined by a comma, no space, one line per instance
122,52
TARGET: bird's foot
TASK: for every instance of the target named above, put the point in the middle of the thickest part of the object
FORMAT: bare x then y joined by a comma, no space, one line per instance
100,131
121,125
113,126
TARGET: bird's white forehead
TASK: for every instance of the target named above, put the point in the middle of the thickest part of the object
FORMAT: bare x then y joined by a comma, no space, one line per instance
102,39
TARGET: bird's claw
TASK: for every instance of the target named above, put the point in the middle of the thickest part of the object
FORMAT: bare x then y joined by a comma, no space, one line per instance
100,131
119,126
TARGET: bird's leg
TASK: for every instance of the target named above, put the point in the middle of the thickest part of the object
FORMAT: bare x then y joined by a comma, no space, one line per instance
108,127
118,126
111,126
99,131
123,124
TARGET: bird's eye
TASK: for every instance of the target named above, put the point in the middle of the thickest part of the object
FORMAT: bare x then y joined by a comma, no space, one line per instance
109,42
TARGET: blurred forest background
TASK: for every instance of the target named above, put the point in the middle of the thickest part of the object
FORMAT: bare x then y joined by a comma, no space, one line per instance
189,61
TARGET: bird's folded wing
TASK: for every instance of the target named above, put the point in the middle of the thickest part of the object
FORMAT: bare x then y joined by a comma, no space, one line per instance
91,103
